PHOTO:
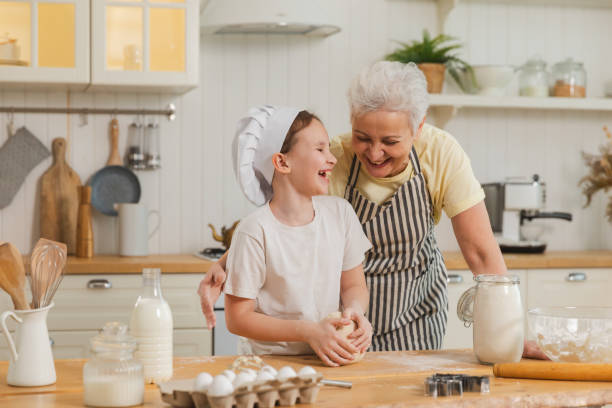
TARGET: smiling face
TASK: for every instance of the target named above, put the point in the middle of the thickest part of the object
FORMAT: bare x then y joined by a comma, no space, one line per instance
382,141
310,160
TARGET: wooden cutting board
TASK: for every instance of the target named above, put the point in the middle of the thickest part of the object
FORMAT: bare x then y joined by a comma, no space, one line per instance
59,199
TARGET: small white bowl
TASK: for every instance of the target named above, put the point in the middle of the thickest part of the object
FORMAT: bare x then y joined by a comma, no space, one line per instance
492,80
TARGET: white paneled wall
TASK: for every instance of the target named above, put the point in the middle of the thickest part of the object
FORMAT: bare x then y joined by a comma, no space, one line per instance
196,184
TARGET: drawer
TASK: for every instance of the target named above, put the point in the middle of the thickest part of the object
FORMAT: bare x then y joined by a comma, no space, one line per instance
87,302
457,335
75,344
569,287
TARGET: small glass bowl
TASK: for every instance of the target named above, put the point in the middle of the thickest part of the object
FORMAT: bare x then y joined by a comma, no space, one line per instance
573,334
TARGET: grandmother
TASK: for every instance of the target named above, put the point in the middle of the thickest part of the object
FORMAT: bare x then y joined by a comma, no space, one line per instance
399,174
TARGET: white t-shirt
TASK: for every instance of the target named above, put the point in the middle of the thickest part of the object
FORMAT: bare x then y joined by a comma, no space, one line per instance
294,273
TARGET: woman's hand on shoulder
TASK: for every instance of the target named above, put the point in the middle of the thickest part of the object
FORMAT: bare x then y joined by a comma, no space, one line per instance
331,348
361,337
209,290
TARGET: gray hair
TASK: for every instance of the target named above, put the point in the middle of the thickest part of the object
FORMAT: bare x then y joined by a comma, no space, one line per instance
390,86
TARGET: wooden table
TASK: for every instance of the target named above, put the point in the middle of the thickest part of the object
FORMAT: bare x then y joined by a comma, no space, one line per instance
381,379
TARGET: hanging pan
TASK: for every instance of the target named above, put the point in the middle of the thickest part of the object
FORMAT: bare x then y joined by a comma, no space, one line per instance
113,183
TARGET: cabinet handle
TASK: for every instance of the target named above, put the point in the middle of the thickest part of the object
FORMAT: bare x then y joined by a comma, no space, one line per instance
51,341
99,284
576,277
454,278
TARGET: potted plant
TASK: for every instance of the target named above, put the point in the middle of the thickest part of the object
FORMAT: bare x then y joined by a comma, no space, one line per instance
600,173
433,56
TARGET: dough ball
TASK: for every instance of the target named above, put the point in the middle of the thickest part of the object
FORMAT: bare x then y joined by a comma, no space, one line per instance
344,331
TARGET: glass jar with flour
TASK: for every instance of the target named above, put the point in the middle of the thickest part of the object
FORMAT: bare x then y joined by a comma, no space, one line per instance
151,325
495,309
113,377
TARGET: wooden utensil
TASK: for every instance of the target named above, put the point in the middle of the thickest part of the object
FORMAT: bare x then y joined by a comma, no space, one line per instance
59,199
548,370
84,226
48,262
12,275
114,159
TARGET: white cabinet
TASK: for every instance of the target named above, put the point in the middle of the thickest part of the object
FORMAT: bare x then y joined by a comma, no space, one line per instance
144,44
457,335
44,42
83,303
123,45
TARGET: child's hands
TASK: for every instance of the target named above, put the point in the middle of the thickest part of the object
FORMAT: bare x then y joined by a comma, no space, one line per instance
328,345
209,290
361,338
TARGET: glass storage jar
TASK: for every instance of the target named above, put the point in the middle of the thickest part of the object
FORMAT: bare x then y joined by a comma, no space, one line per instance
568,79
495,309
113,377
152,147
136,158
533,78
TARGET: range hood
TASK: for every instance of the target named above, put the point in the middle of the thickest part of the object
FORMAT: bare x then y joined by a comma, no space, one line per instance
302,17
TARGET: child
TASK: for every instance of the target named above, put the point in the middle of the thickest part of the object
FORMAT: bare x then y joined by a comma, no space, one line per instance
299,257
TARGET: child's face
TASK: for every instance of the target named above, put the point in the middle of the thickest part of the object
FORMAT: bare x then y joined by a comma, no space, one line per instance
310,160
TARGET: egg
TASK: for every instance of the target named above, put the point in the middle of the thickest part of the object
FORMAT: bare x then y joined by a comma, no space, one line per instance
242,379
229,374
250,372
269,369
285,373
220,386
264,376
202,382
306,370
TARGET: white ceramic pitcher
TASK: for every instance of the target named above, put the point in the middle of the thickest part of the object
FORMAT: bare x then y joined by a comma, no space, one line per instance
134,229
31,360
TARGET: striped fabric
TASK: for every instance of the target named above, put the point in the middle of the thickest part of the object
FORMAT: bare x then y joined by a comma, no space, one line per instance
404,269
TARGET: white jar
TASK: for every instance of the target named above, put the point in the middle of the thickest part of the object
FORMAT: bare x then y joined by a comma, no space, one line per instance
112,377
494,307
151,325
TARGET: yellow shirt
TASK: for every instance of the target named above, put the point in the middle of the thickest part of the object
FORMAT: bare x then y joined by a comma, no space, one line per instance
446,167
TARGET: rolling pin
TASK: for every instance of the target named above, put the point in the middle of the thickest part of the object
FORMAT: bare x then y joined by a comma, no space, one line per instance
548,370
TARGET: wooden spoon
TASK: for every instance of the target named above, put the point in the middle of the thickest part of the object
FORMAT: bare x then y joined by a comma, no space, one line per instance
114,158
12,275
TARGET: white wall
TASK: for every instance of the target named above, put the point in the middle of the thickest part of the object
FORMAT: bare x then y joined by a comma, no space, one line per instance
196,185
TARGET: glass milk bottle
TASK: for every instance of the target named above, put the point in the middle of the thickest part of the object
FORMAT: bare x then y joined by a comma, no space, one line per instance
151,326
113,377
494,307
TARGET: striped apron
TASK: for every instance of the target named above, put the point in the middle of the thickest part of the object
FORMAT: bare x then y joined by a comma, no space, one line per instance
404,270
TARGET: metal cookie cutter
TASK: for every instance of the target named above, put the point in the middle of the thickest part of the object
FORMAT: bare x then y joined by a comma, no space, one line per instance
442,385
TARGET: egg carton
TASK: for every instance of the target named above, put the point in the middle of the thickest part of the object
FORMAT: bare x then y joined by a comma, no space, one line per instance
301,389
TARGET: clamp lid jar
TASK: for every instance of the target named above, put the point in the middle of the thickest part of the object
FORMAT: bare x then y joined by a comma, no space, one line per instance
533,78
568,79
113,377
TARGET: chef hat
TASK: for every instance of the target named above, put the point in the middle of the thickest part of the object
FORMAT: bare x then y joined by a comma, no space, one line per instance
258,136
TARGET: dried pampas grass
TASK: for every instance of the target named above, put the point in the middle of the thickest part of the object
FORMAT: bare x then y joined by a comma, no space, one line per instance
600,174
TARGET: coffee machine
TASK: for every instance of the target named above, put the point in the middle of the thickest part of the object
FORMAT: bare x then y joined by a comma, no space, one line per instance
512,203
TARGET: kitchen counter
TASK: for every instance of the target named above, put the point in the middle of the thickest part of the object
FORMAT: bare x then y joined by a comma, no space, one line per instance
187,263
113,264
549,259
380,379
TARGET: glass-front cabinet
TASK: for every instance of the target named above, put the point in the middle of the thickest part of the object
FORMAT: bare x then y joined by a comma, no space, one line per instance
145,43
44,42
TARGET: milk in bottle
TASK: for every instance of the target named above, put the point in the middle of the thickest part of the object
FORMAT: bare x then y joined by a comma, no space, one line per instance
151,326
